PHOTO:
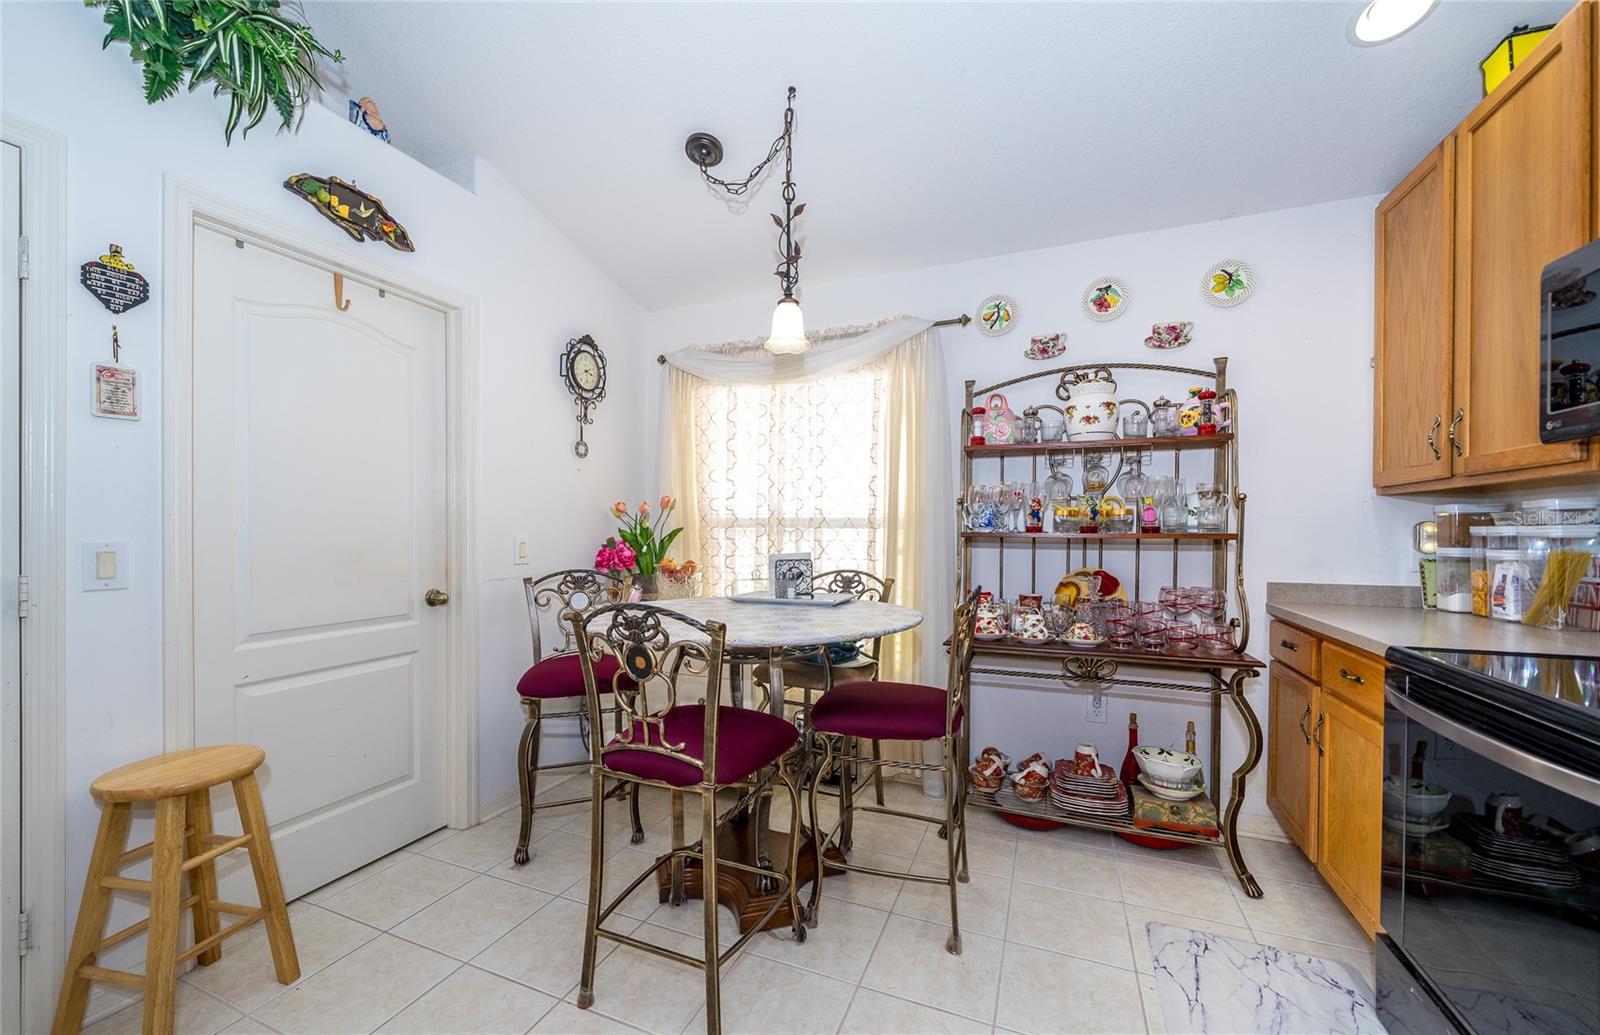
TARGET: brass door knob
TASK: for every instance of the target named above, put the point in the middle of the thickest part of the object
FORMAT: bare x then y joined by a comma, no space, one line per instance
436,598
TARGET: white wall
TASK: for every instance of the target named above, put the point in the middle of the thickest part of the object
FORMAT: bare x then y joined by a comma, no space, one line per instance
535,291
1298,353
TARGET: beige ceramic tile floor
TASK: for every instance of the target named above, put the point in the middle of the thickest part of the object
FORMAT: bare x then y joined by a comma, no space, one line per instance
447,936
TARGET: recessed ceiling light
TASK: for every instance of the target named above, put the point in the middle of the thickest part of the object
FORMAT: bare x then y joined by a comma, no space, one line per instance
1383,20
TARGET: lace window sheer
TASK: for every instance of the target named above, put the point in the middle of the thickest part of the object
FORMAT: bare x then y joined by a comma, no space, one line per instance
789,467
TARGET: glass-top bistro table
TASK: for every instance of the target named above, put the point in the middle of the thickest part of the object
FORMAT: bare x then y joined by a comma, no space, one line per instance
769,632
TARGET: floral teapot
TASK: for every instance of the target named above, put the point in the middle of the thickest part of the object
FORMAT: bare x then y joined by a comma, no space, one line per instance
1091,397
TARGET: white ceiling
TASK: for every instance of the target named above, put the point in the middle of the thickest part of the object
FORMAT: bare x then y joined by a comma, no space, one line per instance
926,133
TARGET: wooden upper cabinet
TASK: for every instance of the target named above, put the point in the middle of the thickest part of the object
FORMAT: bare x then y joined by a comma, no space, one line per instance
1524,197
1414,247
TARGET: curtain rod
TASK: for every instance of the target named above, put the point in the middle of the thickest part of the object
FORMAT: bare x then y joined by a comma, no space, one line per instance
954,321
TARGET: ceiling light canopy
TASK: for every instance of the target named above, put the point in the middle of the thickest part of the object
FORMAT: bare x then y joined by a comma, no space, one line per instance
1383,20
704,150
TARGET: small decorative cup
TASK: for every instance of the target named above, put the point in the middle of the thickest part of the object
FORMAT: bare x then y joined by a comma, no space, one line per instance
1086,760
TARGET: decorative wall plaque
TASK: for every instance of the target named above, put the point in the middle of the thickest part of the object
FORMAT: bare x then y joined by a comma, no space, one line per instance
116,392
354,211
113,280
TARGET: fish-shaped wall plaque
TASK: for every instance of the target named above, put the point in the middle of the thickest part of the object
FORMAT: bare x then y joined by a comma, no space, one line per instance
354,211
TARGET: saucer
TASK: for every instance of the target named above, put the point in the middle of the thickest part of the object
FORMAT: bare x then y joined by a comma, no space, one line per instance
1086,644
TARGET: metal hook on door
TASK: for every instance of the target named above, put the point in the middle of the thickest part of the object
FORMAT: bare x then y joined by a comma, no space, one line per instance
340,302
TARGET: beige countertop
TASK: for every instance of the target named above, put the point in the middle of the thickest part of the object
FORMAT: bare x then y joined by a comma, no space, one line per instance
1377,628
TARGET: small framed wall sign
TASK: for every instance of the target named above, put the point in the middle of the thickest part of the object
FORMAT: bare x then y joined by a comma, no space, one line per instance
791,574
116,392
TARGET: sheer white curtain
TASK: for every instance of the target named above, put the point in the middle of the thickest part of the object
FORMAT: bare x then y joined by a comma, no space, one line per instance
843,450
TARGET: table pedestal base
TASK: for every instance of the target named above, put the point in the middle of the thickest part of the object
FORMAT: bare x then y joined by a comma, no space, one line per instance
738,889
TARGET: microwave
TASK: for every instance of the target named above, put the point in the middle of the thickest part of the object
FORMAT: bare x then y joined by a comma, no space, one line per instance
1569,346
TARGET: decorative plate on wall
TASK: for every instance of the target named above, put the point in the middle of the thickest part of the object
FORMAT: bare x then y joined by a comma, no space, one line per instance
1228,283
1106,298
997,314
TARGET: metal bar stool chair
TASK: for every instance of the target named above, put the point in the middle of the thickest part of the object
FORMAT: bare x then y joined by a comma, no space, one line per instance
682,748
902,711
179,784
560,675
812,678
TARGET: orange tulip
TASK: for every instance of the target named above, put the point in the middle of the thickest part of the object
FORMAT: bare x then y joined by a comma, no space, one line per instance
667,503
644,508
619,508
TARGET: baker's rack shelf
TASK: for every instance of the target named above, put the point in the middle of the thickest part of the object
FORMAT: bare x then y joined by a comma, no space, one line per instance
1096,669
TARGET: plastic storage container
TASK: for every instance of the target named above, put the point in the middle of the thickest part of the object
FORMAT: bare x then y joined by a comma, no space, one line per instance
1454,522
1500,537
1580,510
1541,511
1583,612
1455,579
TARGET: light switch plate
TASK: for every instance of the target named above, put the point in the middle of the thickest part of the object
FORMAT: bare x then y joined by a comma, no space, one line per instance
105,565
519,549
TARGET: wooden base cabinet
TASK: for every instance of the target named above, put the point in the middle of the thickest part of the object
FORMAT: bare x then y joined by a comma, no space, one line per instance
1349,746
1325,762
1292,756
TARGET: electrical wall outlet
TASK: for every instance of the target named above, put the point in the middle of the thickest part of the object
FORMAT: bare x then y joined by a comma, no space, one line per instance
1097,708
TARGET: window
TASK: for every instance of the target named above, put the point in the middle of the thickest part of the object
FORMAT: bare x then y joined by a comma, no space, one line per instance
790,467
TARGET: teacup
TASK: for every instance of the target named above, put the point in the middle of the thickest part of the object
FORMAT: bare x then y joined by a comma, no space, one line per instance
1170,335
1504,810
1030,601
1086,760
1030,626
988,625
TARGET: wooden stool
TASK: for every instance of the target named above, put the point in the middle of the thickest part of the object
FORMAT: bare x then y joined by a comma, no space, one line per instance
180,786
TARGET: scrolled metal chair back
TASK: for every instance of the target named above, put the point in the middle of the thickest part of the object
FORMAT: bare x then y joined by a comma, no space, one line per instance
863,585
654,647
961,650
571,590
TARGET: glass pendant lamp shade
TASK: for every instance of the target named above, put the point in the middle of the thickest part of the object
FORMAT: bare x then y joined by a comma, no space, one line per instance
788,328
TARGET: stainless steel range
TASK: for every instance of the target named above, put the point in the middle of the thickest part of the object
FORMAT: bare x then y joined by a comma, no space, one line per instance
1491,843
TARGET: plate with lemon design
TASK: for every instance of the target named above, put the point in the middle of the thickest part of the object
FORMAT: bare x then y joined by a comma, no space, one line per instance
1228,283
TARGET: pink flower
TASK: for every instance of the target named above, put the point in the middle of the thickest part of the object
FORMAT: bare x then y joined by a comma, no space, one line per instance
644,508
667,503
619,508
605,559
624,556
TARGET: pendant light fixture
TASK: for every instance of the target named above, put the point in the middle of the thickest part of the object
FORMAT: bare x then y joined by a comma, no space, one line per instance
788,334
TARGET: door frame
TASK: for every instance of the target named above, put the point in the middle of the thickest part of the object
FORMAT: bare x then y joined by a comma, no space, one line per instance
43,711
188,207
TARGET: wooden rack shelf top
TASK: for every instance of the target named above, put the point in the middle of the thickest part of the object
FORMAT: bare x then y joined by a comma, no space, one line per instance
1100,445
1155,659
1205,537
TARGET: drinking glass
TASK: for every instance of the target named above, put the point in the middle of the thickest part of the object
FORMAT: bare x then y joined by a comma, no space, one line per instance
1175,507
1208,603
1182,638
1120,630
1056,620
1134,425
1216,638
1017,499
1150,632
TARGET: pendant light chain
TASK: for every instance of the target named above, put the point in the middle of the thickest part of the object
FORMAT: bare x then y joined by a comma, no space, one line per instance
788,271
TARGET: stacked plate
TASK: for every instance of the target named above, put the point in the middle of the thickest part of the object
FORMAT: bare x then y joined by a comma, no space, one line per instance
1097,796
1528,861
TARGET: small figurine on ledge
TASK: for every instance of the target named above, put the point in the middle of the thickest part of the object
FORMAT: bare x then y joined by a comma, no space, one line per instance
364,113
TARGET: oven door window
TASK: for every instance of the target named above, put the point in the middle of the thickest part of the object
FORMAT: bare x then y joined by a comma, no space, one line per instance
1482,889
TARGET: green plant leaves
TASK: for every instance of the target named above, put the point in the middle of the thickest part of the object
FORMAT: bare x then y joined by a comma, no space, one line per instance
248,49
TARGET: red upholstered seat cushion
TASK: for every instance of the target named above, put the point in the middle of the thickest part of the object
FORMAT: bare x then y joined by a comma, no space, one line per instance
883,711
561,675
746,740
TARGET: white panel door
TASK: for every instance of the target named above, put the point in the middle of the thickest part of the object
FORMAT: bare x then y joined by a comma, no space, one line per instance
319,525
10,569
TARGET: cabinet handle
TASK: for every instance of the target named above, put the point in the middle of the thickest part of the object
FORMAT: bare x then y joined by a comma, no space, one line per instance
1317,733
1345,673
1455,443
1286,645
1438,422
1303,731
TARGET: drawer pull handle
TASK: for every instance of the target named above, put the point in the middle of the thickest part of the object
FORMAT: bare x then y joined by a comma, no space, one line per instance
1303,731
1286,645
1345,673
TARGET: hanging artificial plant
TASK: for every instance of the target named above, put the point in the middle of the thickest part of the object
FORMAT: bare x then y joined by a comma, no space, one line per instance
259,56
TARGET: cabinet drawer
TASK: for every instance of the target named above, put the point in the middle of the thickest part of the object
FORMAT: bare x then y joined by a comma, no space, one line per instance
1295,648
1356,677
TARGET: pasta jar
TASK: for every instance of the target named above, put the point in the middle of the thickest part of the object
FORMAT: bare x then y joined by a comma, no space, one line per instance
1454,578
1535,542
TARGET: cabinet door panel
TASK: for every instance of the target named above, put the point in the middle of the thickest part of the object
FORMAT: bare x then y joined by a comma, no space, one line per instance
1523,196
1414,240
1291,758
1350,807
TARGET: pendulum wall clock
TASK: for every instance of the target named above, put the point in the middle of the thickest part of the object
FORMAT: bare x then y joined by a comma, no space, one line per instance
583,367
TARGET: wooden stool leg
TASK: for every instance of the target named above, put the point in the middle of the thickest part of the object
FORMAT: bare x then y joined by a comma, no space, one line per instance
203,878
275,914
109,842
166,915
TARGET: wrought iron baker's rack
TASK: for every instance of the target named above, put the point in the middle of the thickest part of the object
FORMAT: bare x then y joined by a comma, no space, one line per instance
1100,668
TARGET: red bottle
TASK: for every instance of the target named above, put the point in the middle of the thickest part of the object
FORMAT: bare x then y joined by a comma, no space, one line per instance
1130,765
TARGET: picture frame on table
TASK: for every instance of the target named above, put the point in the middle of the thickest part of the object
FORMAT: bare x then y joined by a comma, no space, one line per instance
790,574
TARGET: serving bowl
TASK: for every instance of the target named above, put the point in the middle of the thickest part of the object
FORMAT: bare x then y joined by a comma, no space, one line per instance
1169,767
1417,801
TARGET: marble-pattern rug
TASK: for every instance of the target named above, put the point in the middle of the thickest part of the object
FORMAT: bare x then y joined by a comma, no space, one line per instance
1208,983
